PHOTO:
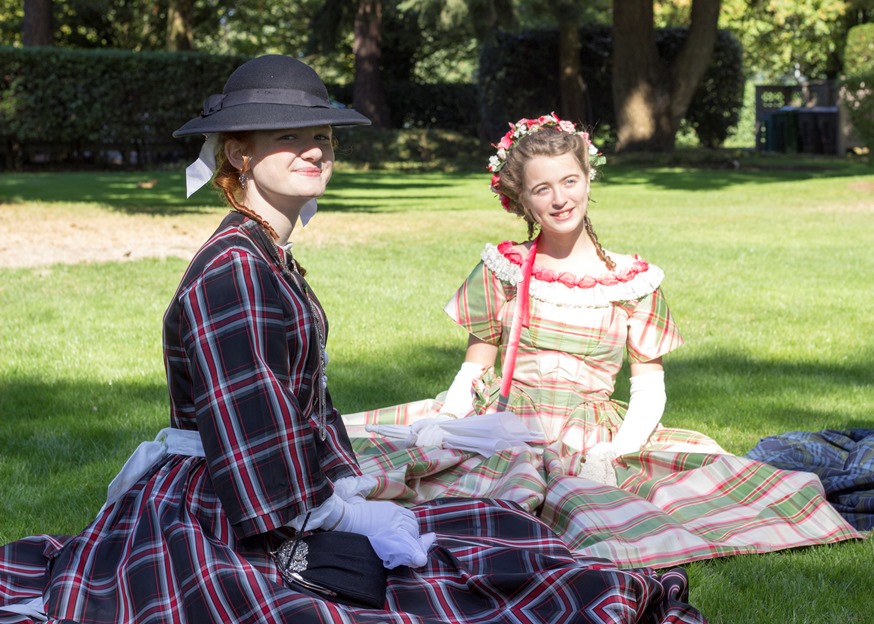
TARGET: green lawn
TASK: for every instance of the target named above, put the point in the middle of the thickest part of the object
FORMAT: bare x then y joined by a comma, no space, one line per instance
769,275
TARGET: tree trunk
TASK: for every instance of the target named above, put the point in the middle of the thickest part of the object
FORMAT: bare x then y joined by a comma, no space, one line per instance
180,34
368,95
37,29
571,83
651,97
694,57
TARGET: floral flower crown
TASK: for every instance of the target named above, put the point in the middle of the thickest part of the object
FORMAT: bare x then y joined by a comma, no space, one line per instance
523,128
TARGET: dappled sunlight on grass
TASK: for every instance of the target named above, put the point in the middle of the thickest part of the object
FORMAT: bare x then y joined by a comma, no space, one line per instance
62,441
150,192
726,174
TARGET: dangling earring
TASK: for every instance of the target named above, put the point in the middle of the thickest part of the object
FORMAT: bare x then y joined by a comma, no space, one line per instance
244,179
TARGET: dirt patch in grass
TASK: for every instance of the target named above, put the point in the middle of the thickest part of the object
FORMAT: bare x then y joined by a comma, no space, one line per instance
43,234
36,235
864,186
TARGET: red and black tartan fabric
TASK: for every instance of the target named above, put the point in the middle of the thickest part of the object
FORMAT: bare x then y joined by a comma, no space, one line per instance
241,355
189,542
156,559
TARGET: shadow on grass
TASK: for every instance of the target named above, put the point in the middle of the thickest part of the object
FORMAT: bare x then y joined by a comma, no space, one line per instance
764,396
63,428
62,443
163,193
732,390
709,176
386,379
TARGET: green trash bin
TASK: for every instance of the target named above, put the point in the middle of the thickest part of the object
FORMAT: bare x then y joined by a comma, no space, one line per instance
781,131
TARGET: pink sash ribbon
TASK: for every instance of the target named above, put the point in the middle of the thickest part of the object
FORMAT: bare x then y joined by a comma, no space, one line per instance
521,317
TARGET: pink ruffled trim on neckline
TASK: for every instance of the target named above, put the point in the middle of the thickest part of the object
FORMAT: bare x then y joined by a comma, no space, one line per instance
569,279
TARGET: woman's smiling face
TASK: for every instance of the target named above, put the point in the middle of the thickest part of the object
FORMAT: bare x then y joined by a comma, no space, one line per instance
555,191
293,163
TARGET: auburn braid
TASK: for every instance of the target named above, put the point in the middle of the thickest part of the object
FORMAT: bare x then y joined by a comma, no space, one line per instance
600,250
251,214
227,178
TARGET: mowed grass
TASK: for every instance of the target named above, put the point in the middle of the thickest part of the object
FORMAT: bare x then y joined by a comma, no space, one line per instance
769,276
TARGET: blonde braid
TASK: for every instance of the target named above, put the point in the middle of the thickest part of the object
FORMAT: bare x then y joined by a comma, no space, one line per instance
600,250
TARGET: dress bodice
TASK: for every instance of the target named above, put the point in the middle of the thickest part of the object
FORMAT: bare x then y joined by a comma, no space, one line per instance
579,331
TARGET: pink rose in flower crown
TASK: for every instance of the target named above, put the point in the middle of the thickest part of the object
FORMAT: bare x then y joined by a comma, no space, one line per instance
505,143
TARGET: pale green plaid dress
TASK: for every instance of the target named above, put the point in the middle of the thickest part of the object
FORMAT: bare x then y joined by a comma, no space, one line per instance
680,499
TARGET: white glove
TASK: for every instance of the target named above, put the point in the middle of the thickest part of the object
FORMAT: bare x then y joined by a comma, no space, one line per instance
428,432
329,512
397,548
367,517
459,398
393,531
422,432
646,405
598,466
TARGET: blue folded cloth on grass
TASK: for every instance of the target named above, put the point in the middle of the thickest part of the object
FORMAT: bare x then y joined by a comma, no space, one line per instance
843,461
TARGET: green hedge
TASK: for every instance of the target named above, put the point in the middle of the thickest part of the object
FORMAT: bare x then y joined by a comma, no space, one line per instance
79,106
859,50
857,87
445,106
519,78
413,148
79,101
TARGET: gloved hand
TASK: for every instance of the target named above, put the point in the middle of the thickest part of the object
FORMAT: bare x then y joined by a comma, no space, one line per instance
427,431
423,432
646,405
459,398
397,548
598,465
393,531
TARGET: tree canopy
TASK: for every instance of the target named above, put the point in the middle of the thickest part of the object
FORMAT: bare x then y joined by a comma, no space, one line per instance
782,40
369,42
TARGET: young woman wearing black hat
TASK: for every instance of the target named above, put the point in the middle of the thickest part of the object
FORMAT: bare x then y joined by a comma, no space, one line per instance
201,525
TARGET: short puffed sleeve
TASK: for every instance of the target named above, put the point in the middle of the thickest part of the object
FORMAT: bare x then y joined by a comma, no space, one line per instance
478,304
651,331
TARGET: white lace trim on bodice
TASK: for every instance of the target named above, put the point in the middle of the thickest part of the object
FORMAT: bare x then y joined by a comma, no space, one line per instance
557,293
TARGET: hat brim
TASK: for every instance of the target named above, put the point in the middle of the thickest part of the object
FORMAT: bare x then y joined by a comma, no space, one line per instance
256,116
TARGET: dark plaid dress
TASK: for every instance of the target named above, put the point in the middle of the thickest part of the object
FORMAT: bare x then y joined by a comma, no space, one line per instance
190,541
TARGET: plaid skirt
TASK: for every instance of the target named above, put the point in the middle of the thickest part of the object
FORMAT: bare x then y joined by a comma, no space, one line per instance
165,552
677,501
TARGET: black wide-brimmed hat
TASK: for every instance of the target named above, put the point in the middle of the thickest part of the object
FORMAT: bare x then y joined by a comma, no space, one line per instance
269,93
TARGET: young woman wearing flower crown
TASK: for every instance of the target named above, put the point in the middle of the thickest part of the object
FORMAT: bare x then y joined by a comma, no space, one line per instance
563,312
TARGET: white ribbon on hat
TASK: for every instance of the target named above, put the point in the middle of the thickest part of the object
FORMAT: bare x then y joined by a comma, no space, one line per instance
308,211
198,173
